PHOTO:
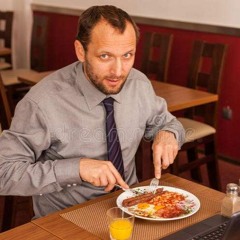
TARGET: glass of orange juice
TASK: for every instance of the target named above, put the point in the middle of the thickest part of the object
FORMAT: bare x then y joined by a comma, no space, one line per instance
120,224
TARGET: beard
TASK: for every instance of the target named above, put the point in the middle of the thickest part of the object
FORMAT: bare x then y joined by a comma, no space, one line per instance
99,83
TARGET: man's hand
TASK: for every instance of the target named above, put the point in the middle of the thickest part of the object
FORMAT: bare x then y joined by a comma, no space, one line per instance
100,173
165,149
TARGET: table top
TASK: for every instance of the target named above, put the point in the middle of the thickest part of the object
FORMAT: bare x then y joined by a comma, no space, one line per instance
66,225
177,97
5,51
32,77
29,231
11,76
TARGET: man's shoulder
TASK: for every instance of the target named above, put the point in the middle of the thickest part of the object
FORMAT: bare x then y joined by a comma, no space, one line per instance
138,77
54,84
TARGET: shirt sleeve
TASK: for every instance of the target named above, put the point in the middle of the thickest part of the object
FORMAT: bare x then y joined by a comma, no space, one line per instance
22,172
161,119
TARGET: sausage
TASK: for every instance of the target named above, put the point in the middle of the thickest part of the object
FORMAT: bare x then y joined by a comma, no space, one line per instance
141,198
137,199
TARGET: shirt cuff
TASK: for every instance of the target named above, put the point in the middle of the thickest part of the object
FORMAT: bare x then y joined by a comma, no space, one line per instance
175,132
67,171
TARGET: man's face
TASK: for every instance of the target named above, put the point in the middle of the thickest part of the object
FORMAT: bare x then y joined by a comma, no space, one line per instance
110,57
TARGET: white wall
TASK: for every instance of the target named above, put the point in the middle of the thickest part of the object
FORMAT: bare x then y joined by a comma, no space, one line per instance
22,25
213,12
6,5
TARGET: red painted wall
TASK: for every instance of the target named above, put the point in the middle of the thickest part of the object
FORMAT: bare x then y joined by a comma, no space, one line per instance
228,130
62,30
60,52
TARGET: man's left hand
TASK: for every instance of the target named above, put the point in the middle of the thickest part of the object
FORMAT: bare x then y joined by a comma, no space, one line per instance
165,149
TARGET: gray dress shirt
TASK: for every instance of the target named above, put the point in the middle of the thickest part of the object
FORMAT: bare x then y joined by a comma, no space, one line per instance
60,121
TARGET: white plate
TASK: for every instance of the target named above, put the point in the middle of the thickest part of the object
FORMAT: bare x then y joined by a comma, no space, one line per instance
189,196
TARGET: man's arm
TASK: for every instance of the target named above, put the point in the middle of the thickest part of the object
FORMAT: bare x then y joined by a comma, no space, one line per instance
24,170
21,148
167,133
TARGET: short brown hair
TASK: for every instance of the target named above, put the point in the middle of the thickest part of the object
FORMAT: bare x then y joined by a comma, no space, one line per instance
116,17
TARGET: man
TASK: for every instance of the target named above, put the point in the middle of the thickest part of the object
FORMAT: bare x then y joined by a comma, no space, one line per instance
56,148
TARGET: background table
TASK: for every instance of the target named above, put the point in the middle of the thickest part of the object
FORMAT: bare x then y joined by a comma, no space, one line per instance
32,77
179,97
5,51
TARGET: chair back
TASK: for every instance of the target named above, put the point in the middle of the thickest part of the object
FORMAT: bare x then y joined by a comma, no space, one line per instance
205,74
5,112
39,43
6,20
156,54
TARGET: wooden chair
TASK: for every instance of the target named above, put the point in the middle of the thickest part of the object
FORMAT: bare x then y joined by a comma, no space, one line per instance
156,54
5,112
39,43
15,89
200,122
11,203
6,19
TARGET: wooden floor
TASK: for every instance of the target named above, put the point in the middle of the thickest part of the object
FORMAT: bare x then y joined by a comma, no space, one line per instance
228,172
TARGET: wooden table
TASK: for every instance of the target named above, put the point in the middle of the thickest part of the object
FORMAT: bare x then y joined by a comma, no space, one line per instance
64,229
29,231
55,227
177,97
31,77
5,51
10,77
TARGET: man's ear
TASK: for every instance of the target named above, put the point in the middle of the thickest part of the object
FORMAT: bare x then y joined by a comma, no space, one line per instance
79,50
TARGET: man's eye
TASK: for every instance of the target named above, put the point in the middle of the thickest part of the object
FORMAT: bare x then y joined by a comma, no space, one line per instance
104,56
127,55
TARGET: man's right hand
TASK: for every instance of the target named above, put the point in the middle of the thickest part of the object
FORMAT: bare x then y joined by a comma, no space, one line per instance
100,173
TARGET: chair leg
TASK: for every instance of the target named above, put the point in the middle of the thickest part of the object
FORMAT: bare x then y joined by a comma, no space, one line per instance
16,211
192,155
144,162
212,166
195,160
174,168
8,212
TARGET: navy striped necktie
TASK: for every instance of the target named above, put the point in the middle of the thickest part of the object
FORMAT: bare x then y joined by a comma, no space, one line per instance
113,144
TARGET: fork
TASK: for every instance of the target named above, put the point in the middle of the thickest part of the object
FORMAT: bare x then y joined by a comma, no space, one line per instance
129,190
154,184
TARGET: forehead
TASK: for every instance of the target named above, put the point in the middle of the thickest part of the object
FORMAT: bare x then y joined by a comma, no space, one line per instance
106,38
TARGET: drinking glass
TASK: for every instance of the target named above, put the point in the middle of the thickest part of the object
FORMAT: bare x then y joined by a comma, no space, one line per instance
120,224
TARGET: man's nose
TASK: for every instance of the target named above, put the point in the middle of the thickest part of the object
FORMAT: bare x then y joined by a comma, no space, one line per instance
117,68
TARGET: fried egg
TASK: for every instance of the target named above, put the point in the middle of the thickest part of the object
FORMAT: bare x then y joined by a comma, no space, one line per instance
144,209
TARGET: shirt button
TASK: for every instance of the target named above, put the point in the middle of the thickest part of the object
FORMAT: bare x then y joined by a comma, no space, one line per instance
69,185
40,194
74,184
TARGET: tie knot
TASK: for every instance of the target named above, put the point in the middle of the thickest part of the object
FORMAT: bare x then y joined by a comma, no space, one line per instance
108,104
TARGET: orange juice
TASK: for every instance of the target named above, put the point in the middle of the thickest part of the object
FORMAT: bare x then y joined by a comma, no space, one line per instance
121,229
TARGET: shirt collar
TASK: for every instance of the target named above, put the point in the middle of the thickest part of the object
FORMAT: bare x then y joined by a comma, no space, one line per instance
91,94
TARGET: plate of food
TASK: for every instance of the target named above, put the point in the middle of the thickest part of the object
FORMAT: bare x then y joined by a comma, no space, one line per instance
167,203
